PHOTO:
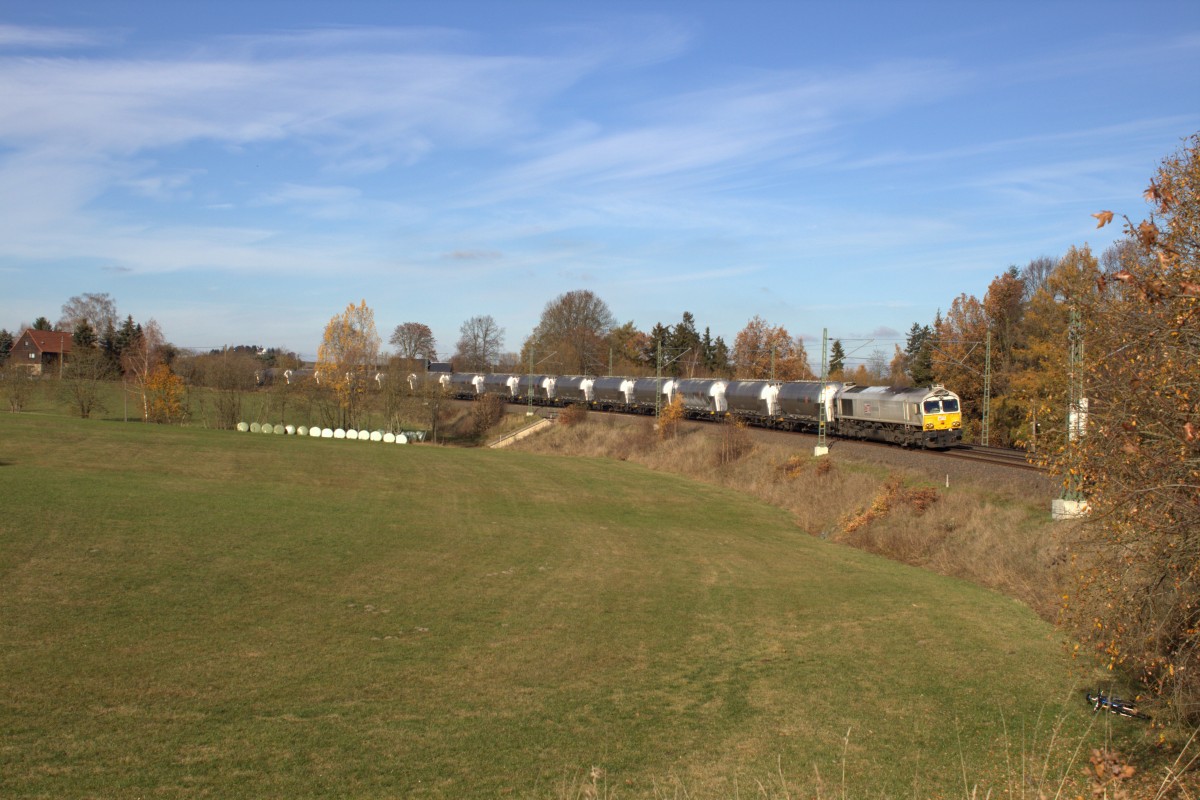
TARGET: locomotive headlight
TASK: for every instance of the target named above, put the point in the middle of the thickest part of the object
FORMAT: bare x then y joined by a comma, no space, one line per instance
956,424
928,426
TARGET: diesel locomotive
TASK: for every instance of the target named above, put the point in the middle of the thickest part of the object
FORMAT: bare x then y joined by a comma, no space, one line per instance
928,417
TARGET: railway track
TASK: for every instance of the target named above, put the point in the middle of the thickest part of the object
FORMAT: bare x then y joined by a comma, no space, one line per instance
1004,456
996,456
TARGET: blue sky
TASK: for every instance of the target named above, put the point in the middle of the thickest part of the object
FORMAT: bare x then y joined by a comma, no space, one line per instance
242,172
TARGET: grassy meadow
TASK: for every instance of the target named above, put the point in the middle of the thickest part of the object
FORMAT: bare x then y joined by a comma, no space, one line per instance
200,613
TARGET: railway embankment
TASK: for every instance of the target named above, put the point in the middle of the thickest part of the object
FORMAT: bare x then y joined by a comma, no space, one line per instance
983,522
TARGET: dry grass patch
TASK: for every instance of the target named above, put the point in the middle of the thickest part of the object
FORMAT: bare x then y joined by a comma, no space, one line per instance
573,415
893,494
1003,541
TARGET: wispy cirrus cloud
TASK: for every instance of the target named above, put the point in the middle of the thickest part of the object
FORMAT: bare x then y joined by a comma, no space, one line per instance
353,102
394,105
473,255
19,37
707,134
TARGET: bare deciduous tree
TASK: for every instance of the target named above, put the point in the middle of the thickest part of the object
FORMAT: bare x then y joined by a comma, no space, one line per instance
83,375
17,384
99,311
480,343
414,340
575,325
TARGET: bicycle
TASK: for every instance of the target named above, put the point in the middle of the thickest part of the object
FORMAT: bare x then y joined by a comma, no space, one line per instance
1115,705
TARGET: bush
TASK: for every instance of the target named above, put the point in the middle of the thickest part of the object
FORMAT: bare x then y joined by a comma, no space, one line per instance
572,415
733,443
486,412
669,418
18,386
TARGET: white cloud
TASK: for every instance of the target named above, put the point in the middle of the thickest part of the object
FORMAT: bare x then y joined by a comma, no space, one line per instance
700,138
337,100
22,37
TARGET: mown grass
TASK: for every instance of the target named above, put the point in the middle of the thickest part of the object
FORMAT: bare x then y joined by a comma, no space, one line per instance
198,613
994,533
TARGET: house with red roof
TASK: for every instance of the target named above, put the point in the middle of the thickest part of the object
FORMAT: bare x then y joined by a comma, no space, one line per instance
40,349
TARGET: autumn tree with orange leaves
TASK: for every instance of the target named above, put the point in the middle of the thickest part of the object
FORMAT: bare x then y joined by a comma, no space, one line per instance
762,350
1039,381
166,399
142,355
347,361
1138,599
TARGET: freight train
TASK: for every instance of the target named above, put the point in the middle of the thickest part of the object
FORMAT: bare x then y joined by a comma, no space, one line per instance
929,417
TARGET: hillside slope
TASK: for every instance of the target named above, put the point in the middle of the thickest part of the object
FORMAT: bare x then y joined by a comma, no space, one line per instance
200,613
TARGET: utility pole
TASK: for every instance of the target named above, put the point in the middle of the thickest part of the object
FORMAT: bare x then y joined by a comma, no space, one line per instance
822,447
529,380
658,378
987,388
529,412
1071,503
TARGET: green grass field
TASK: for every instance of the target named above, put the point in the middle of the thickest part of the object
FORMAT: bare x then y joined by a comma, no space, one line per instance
197,613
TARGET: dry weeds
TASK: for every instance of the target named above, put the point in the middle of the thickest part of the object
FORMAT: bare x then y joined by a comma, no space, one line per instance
573,415
1004,542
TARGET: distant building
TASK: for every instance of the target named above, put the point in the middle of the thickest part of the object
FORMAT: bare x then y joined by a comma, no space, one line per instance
39,349
439,366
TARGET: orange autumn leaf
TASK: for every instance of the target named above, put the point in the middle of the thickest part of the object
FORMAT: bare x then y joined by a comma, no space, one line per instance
1147,233
1103,218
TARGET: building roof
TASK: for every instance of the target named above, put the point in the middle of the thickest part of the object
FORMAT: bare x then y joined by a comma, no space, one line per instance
50,341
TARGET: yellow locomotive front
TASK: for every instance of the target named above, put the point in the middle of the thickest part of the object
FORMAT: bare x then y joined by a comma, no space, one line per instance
914,417
941,418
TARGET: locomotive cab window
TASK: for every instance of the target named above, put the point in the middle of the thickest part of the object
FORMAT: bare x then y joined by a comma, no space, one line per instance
932,407
950,405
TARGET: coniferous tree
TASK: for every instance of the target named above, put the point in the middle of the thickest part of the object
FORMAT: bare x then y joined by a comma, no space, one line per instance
125,336
837,359
719,358
108,346
83,335
659,341
918,350
685,347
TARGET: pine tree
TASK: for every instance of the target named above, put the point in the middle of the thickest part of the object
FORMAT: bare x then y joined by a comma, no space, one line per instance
684,346
83,335
919,351
837,359
125,337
